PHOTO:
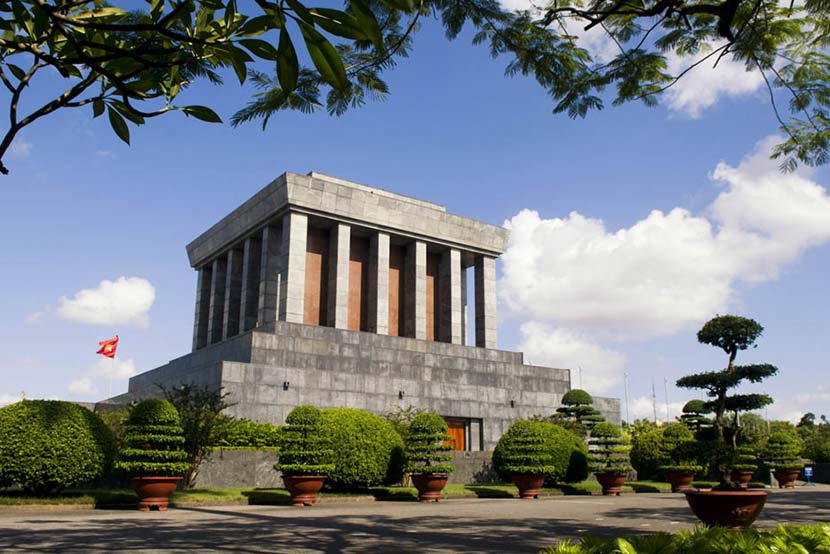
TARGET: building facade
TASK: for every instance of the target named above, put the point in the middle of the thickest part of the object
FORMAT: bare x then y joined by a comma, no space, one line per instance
322,291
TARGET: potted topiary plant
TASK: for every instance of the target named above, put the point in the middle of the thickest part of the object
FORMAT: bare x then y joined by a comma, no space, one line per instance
680,448
577,413
609,457
154,459
783,455
744,467
523,453
727,504
305,457
427,460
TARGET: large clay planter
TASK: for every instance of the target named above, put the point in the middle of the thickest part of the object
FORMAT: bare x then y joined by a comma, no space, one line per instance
303,488
154,492
680,480
786,477
611,482
429,485
734,509
741,478
529,485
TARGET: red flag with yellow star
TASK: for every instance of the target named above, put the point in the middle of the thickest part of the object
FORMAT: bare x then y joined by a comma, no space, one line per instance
108,347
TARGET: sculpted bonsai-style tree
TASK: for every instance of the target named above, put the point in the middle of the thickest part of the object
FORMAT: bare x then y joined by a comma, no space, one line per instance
427,455
305,456
783,455
609,457
681,449
731,334
577,413
693,415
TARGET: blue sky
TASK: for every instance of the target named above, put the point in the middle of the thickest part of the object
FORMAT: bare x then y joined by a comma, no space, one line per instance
613,289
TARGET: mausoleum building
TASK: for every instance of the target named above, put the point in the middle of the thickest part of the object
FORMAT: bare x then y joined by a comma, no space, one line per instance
323,291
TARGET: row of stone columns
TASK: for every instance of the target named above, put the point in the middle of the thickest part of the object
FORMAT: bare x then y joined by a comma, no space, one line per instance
264,281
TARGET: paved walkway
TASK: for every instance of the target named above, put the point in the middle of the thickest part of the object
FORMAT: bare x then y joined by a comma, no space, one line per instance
463,525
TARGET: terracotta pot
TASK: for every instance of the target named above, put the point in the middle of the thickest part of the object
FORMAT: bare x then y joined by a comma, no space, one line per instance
303,488
741,478
429,485
735,509
786,477
611,482
154,492
680,480
528,485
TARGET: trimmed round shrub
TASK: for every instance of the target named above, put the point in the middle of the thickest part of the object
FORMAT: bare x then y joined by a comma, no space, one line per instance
745,459
304,447
427,446
576,396
783,451
569,455
524,450
48,445
367,450
609,452
154,441
681,449
647,453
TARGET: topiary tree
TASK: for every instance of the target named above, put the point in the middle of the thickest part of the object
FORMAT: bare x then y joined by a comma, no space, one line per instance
731,334
427,446
693,415
577,407
367,450
569,454
648,454
524,449
48,445
783,452
154,439
304,447
680,448
609,449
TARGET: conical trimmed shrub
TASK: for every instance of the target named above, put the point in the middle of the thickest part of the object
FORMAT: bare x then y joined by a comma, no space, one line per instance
427,446
303,447
609,450
525,450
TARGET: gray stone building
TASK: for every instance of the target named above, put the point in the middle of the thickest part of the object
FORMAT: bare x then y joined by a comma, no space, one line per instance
322,291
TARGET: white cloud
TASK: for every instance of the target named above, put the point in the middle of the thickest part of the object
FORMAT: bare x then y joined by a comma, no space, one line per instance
82,387
643,407
705,84
125,301
556,347
20,149
34,318
6,399
791,409
571,277
113,368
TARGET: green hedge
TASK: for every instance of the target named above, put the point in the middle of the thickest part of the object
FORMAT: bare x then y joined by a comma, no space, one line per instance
785,539
367,449
647,452
568,453
248,433
48,445
154,440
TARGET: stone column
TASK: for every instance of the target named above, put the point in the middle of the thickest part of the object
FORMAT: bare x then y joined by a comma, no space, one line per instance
449,305
269,274
249,301
217,300
201,317
233,294
485,293
379,284
292,267
338,289
464,307
415,283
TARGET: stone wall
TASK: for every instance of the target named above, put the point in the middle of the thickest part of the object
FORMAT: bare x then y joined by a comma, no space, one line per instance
254,468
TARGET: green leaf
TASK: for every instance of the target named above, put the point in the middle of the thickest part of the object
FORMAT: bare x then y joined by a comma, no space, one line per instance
97,107
339,23
403,5
288,67
119,125
16,71
301,11
125,111
258,25
260,48
156,8
368,22
325,58
202,113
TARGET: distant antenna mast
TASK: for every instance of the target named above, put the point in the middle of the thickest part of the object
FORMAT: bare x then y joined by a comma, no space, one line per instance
627,416
653,400
580,376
